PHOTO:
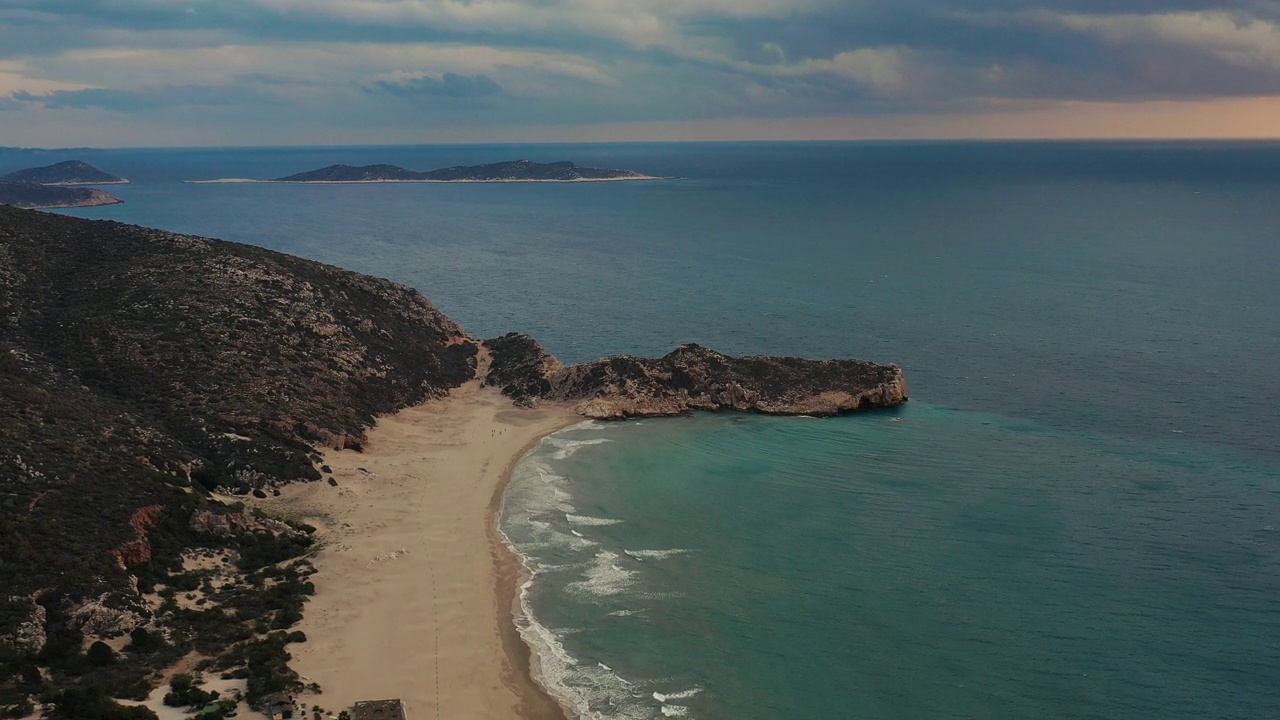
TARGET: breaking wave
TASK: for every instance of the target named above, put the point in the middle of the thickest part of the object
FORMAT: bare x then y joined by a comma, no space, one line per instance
567,448
682,695
539,522
587,521
604,577
654,554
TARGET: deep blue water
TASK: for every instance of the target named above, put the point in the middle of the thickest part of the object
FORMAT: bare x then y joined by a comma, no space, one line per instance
1075,516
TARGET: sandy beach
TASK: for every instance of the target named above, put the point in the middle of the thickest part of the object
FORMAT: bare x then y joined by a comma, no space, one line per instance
414,586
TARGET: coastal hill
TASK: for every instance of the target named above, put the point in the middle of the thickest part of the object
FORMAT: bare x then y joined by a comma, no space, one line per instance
512,171
347,173
32,195
71,172
142,369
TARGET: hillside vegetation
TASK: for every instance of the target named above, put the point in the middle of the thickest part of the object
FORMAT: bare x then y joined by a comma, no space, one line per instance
140,369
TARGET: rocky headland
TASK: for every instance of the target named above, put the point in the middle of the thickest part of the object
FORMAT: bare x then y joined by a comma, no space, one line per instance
141,370
691,378
70,172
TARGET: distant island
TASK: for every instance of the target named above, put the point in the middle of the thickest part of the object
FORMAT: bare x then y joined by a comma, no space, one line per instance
33,196
71,172
511,171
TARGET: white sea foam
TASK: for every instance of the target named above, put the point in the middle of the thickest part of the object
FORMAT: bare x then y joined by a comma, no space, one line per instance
654,554
604,577
532,507
547,537
682,695
661,595
588,521
674,710
536,490
625,613
567,448
592,692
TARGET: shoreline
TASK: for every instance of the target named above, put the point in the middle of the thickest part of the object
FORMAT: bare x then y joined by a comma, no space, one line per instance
87,184
71,206
415,587
510,575
106,203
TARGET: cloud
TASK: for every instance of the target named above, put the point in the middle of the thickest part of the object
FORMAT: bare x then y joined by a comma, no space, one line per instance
1237,39
351,64
137,101
448,84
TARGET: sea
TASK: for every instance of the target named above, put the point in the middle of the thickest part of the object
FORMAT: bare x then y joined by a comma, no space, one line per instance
1076,515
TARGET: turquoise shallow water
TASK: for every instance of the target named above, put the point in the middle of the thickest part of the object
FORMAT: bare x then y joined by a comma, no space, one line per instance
923,563
1075,516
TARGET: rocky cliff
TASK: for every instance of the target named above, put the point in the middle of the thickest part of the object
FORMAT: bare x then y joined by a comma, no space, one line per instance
691,378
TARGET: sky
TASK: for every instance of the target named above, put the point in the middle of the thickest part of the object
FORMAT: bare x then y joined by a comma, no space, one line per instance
284,72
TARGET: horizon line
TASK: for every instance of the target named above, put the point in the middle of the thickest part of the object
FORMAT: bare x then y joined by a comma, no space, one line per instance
733,141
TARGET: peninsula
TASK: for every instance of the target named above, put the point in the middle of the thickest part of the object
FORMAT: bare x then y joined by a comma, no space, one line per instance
284,473
71,172
511,171
32,195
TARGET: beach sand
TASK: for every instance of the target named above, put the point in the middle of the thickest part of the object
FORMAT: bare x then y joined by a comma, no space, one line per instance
414,587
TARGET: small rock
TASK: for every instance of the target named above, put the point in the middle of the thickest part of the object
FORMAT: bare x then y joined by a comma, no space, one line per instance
259,494
333,482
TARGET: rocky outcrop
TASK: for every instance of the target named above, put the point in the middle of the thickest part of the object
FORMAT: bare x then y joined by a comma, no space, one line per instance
30,633
521,368
137,550
95,619
232,524
692,378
